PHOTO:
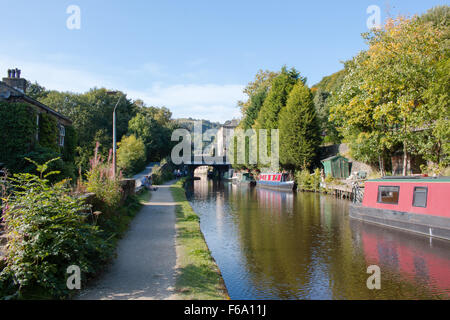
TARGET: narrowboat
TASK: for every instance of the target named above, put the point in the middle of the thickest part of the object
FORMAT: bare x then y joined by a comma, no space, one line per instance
415,204
276,181
243,178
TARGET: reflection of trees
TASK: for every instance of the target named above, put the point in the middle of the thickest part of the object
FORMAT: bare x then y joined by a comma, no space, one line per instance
304,246
276,244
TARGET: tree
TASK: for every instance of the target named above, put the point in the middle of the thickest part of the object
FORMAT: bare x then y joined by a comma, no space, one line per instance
299,129
281,85
434,142
439,16
261,83
154,127
131,157
323,92
250,113
91,114
383,96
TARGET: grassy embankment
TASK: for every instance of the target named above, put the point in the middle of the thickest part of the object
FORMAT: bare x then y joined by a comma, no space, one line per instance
198,275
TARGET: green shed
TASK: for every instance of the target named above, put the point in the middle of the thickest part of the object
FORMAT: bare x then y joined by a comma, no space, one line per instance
337,167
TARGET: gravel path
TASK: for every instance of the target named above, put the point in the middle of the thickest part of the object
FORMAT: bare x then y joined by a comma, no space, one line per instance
146,258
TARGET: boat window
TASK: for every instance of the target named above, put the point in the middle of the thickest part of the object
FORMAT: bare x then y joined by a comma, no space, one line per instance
420,197
388,194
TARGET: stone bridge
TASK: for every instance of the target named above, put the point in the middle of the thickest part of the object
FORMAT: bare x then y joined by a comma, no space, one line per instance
219,164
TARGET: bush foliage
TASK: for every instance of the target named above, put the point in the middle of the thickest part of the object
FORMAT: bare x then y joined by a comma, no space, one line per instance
131,157
48,232
307,181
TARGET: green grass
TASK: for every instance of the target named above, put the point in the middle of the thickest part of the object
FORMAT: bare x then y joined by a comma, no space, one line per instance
198,276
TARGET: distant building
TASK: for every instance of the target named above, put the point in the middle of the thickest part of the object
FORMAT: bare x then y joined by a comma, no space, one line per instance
224,136
13,89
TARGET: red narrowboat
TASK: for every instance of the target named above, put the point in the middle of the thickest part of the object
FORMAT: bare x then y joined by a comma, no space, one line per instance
277,181
415,204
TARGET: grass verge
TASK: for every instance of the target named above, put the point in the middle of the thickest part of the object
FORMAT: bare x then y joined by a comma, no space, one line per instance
198,276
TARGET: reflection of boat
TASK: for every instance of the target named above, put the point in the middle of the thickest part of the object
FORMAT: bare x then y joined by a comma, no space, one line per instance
415,258
277,181
274,200
243,178
420,205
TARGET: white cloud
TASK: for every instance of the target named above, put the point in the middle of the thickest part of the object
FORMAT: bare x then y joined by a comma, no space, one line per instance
201,101
210,101
54,77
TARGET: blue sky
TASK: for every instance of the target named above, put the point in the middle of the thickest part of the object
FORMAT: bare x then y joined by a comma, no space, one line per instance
193,57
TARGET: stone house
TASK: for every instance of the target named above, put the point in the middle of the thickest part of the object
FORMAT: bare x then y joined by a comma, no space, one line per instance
13,89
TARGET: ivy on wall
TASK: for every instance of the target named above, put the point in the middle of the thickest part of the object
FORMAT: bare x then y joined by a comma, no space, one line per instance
70,144
17,130
48,132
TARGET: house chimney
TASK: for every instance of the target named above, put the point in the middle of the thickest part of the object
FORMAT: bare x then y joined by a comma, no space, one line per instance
14,80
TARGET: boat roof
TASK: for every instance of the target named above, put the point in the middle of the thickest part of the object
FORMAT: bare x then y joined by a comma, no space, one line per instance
273,173
411,179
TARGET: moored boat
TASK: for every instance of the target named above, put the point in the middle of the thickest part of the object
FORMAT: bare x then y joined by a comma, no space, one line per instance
244,178
277,181
415,204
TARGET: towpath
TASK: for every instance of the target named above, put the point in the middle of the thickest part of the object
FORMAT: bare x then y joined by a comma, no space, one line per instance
145,267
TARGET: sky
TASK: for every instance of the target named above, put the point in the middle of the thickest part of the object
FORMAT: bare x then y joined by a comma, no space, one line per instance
194,57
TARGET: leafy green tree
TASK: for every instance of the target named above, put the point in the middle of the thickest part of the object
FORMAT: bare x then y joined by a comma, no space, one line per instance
434,141
276,99
383,96
323,92
36,91
251,112
131,157
439,16
154,127
261,83
299,129
91,114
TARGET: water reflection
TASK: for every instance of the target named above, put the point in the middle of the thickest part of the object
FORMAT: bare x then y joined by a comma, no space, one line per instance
278,245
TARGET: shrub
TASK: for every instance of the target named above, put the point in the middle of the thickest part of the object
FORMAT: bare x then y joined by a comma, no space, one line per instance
102,182
131,156
163,172
48,232
42,155
307,181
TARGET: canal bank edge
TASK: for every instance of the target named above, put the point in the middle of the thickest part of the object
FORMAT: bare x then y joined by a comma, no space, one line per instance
198,276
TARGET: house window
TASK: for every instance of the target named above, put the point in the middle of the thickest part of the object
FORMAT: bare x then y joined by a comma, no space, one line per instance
62,134
37,127
420,197
388,194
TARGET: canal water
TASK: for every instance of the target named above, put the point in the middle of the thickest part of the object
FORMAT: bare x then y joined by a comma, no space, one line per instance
280,245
